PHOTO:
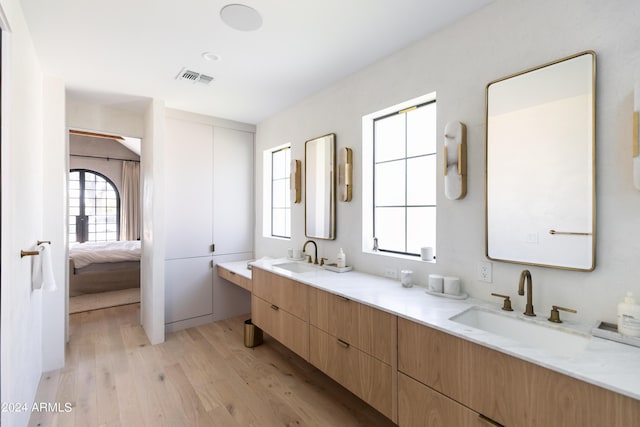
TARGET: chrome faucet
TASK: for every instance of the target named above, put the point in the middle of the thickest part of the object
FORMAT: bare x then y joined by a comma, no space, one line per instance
304,249
526,276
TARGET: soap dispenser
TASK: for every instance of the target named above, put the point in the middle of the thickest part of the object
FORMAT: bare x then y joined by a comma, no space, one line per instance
341,261
629,316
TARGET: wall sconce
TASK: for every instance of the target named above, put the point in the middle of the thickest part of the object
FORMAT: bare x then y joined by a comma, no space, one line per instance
295,181
636,137
636,152
455,160
345,174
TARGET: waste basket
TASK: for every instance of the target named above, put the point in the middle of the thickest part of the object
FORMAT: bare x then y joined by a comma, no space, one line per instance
252,334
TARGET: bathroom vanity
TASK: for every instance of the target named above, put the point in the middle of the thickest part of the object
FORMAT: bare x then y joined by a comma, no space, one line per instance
399,350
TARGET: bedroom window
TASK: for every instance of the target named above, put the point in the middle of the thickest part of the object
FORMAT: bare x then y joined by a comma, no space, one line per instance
399,210
94,207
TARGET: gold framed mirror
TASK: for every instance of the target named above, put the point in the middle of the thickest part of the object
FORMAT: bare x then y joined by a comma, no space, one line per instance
540,165
320,187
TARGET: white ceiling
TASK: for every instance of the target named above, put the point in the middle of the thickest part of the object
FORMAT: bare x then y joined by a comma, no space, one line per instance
105,49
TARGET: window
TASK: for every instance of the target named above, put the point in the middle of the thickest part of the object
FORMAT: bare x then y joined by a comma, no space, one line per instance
278,220
403,179
94,207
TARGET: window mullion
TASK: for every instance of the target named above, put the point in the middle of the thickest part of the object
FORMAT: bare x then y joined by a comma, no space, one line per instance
406,184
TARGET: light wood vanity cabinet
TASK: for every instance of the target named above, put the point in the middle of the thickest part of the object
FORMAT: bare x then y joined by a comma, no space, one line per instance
356,345
506,389
279,306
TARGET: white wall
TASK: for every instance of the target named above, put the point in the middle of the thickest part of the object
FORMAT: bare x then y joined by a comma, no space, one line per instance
107,150
119,118
505,37
152,262
22,214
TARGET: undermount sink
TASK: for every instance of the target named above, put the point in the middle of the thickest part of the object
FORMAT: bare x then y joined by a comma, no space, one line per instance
559,342
297,267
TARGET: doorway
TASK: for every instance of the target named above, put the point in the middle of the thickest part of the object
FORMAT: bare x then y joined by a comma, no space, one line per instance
104,221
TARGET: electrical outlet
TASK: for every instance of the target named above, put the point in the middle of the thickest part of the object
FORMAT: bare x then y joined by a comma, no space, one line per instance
391,273
485,271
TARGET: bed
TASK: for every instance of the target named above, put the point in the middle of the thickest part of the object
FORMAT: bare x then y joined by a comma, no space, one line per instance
103,266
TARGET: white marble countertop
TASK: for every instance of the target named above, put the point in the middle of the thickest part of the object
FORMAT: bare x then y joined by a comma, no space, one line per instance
238,267
604,363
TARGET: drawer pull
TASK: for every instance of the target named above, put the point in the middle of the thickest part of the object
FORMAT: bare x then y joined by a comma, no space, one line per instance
488,421
233,273
343,298
343,343
275,307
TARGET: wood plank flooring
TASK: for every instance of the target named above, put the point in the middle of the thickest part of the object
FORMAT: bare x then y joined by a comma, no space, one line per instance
202,376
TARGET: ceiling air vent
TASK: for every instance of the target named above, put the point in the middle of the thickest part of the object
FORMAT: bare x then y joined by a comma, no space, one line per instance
194,77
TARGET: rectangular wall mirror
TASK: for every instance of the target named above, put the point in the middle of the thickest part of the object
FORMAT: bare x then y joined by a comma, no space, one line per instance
540,165
320,187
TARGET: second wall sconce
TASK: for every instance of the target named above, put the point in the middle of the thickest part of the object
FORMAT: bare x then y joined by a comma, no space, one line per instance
455,160
345,174
636,137
295,181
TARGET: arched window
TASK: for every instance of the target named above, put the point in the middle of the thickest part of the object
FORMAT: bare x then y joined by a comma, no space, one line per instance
94,207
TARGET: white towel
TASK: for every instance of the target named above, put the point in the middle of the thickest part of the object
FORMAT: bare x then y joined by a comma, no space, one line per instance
42,270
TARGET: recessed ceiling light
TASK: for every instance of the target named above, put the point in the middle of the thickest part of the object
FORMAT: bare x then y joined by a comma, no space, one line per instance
241,17
210,56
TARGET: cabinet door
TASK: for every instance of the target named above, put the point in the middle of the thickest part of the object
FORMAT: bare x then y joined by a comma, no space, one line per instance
420,406
188,189
233,213
188,288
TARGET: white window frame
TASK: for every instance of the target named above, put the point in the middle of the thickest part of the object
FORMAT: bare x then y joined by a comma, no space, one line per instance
368,172
267,199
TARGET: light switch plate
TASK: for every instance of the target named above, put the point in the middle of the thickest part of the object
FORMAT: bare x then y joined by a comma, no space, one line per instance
391,273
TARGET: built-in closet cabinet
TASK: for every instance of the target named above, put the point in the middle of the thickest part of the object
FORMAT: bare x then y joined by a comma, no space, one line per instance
208,217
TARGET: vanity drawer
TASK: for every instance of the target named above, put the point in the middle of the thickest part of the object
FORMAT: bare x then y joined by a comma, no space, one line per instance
506,389
281,325
419,405
338,316
362,374
234,278
432,357
283,292
370,330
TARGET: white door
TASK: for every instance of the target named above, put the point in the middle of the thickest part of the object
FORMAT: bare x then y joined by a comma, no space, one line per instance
189,186
233,213
188,288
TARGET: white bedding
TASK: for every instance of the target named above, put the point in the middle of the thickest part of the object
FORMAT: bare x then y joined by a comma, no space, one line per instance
87,253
